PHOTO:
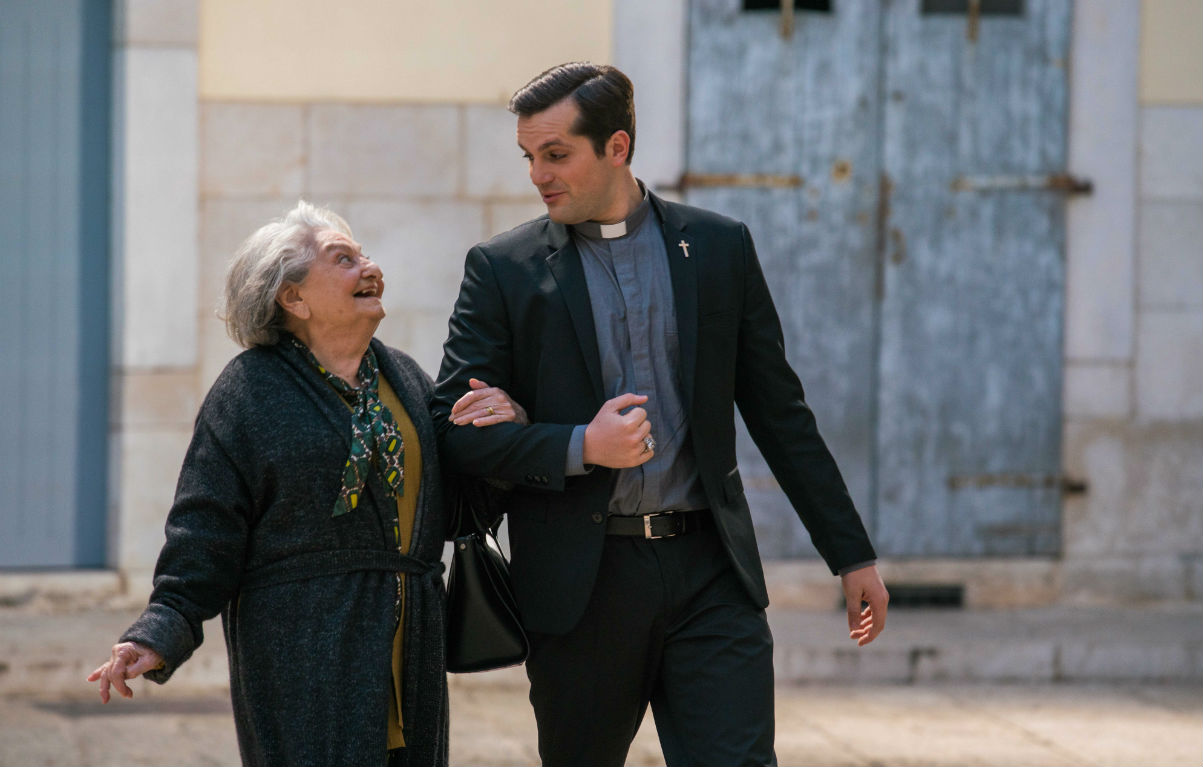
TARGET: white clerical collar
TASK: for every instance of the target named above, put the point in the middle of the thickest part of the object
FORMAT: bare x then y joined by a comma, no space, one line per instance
598,231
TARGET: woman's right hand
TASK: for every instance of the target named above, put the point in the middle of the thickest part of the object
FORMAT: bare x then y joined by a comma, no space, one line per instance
129,659
486,405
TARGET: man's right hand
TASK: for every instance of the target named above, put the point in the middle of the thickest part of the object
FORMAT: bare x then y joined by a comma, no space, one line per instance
614,439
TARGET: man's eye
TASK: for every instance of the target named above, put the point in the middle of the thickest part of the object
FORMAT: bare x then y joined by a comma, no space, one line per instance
556,156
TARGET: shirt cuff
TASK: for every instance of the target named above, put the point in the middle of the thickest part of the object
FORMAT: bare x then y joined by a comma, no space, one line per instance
857,566
574,466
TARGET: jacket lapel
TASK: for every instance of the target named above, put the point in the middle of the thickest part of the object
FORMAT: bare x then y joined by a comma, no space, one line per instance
682,265
565,266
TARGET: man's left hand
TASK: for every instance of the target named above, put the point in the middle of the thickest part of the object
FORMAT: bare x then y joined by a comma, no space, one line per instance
865,586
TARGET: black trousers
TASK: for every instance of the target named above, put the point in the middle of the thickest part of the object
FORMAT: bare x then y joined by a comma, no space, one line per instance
667,624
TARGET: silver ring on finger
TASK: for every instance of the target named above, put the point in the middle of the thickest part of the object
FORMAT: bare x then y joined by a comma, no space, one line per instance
649,444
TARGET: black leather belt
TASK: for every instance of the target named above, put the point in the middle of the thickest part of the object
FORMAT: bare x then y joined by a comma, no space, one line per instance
661,524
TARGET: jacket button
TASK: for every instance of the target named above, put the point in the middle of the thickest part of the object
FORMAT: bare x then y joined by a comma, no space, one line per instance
597,517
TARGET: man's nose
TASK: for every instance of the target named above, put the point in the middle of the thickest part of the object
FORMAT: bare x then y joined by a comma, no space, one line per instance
371,269
538,173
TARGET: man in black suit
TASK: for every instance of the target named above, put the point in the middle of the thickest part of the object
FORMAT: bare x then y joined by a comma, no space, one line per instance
629,328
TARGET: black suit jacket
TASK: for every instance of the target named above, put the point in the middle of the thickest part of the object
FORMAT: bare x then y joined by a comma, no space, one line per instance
523,322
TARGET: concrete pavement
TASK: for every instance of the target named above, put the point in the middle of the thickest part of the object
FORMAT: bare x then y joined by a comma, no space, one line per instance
1053,686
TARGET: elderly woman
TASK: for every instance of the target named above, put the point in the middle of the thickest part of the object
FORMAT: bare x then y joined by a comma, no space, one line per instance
309,514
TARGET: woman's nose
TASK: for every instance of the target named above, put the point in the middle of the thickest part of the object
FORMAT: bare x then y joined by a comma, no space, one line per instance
371,268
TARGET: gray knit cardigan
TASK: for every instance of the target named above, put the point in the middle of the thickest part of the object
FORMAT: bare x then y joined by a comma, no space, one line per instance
307,600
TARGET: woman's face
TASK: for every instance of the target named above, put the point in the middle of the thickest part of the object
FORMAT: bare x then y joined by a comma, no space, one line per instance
342,291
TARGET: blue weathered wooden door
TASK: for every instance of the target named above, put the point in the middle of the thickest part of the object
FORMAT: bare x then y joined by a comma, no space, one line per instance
54,287
899,165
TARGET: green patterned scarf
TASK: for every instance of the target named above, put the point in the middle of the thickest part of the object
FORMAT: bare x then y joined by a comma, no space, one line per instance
376,442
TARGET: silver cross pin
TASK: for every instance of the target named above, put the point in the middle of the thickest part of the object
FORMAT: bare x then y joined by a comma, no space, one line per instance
684,247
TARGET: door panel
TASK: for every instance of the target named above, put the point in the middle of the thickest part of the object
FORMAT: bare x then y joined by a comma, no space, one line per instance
969,403
889,163
801,111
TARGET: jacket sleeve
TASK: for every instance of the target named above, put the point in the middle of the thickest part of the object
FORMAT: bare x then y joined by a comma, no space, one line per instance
480,345
771,400
201,563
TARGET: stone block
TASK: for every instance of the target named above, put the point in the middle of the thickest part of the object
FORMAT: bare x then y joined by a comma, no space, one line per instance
1097,390
224,224
1171,154
1171,43
495,167
804,585
420,247
1022,661
1169,365
252,150
1099,659
989,583
156,399
1122,580
418,333
384,151
1193,563
1101,228
802,665
149,466
156,230
1092,523
504,216
156,22
1142,503
650,47
1171,255
216,350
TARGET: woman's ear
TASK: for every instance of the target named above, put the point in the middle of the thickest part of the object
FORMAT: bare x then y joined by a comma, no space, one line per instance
290,300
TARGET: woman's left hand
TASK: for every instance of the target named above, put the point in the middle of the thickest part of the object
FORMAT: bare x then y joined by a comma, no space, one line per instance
486,405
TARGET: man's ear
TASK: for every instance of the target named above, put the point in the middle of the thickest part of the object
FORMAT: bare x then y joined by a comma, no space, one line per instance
618,146
290,300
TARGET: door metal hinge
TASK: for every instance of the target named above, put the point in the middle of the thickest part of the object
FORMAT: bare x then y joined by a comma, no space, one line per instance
746,180
1066,484
1057,182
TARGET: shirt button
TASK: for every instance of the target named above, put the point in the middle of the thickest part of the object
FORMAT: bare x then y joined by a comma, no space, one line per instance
597,517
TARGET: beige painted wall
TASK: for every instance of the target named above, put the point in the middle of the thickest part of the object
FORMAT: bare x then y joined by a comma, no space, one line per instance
1171,52
460,51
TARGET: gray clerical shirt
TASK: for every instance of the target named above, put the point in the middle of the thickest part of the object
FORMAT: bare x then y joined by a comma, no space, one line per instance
630,290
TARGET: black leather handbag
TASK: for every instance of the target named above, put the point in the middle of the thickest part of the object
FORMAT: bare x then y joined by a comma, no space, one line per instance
484,630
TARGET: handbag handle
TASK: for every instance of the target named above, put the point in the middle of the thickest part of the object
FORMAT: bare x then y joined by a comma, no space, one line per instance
474,507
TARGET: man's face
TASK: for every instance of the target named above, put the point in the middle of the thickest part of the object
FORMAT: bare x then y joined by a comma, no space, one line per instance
575,183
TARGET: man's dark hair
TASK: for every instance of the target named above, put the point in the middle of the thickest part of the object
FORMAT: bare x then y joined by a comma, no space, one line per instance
603,94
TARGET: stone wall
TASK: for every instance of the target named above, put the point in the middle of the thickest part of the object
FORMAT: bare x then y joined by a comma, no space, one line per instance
1134,330
419,185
